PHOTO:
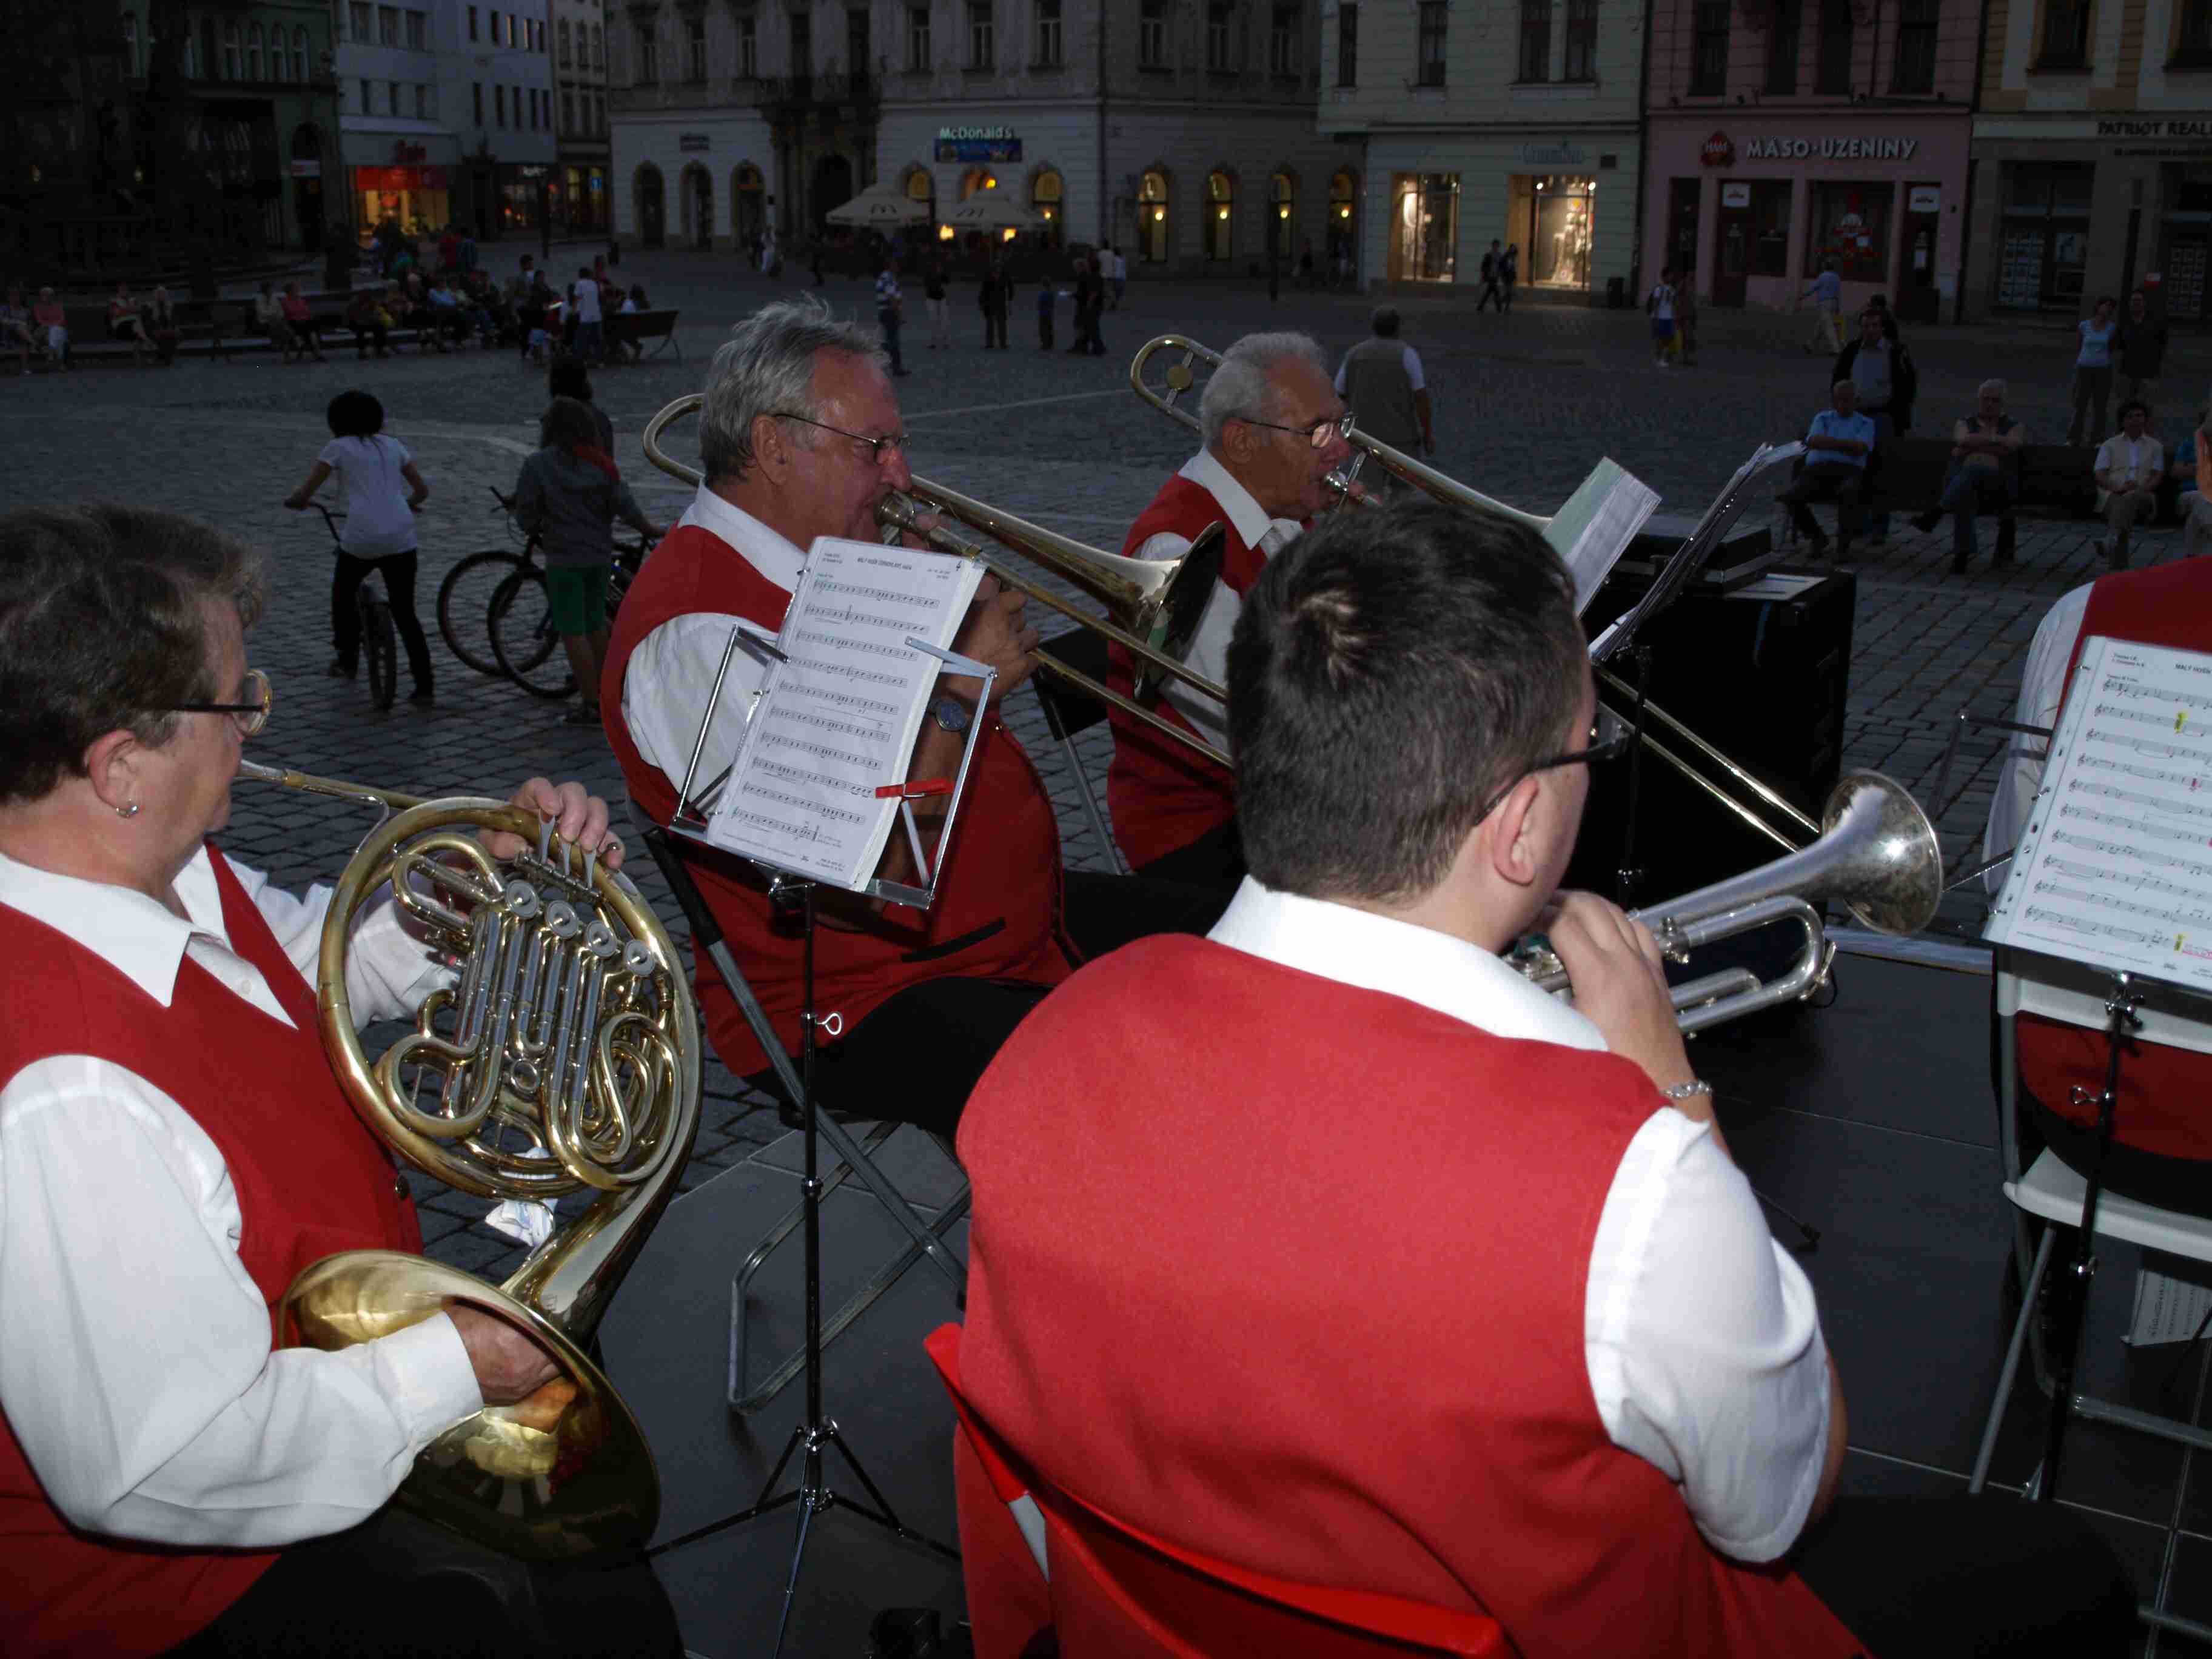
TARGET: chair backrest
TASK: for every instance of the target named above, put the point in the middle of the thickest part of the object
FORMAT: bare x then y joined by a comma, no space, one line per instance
1120,1592
1067,709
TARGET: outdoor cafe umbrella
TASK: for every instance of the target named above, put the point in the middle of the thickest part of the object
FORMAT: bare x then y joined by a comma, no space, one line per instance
990,212
879,205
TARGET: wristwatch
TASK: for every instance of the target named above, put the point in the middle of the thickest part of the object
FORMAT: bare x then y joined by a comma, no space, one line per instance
952,715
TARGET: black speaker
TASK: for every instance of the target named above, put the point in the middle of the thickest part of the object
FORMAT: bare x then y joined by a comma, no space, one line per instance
1760,673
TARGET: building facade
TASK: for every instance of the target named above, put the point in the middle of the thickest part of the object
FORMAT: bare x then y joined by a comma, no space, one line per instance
1506,121
1183,132
448,115
1785,134
580,200
2093,155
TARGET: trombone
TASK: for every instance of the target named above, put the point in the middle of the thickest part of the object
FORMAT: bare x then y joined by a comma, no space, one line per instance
1180,377
1154,606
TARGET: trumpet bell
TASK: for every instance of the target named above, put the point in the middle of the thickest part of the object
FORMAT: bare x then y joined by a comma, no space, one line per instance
1889,873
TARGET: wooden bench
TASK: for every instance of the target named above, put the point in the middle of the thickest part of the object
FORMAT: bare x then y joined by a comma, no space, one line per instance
632,327
2057,480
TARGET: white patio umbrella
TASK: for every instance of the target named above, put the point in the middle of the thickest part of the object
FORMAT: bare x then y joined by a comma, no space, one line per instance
990,212
880,205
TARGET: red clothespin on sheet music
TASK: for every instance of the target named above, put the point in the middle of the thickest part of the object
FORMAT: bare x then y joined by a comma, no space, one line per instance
916,789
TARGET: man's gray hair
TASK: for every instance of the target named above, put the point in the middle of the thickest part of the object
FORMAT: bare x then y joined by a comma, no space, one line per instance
1997,386
766,368
1243,387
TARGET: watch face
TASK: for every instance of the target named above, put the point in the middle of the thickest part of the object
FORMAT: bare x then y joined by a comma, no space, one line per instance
952,715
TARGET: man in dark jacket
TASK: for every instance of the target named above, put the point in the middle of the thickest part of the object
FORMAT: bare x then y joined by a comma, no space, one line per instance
2140,350
1089,300
1880,366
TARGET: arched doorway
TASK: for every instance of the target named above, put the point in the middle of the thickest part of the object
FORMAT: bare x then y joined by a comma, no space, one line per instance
1343,221
307,186
649,207
1220,215
833,187
1046,193
1152,217
698,207
919,185
1282,215
747,206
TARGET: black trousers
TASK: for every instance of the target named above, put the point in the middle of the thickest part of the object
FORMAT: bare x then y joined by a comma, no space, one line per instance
1955,1577
1843,485
916,1059
398,1587
398,571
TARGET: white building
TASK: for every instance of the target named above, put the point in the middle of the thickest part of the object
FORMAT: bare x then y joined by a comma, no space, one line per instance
1183,133
447,113
1514,121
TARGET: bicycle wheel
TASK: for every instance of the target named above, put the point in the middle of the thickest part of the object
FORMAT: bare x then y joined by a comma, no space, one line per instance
379,647
465,606
523,639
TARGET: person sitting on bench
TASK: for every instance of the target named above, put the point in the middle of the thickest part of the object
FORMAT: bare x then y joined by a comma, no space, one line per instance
1837,447
1984,477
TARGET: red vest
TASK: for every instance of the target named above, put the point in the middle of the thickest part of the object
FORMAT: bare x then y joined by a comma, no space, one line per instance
310,1180
997,914
1363,1372
1162,796
2164,1092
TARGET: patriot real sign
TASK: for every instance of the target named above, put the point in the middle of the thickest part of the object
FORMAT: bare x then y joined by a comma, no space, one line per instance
978,144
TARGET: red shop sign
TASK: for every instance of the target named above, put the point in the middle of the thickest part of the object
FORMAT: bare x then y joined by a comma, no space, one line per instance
1719,151
397,179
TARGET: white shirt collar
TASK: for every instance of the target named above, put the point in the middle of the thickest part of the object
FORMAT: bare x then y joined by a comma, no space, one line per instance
1249,520
1356,947
136,935
760,547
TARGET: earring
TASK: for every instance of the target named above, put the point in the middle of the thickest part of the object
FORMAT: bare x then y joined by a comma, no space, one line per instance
128,811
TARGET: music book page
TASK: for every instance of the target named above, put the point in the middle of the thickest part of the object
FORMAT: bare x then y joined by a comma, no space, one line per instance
838,718
2115,867
1594,527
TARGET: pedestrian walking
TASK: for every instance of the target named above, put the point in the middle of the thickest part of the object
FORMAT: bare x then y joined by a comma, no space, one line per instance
381,493
1492,277
569,494
1659,306
1090,302
1046,301
586,304
2140,350
932,290
994,298
1117,272
890,309
1827,293
2093,373
1381,383
1685,315
1509,272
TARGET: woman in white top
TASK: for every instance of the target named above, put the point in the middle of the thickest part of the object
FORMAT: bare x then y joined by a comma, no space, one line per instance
2093,374
383,491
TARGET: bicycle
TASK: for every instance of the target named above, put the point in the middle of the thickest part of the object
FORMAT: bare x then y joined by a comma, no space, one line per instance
465,596
526,647
379,640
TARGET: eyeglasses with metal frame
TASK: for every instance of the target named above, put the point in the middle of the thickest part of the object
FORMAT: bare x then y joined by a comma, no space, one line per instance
876,445
249,715
1320,435
1610,738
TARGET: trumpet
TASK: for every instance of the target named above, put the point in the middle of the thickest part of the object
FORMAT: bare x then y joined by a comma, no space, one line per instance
1877,856
1154,606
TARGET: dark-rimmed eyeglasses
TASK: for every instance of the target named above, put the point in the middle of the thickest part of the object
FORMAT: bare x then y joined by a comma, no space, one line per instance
877,446
249,714
1609,738
1320,435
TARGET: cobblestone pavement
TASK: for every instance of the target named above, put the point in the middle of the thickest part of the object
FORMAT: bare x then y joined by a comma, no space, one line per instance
1526,405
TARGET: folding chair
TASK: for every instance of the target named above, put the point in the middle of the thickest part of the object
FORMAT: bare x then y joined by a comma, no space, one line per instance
1112,1590
1068,711
2053,1192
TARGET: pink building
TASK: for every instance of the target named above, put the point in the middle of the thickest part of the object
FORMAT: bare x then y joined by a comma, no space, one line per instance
1786,133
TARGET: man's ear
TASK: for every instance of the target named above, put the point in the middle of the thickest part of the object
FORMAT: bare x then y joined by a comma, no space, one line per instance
1235,440
771,448
1515,831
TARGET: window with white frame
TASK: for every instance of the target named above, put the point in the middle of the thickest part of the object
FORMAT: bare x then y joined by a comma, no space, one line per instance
1047,34
982,36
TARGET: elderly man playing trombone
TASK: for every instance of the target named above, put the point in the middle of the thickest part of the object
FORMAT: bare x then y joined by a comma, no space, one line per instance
1274,428
1486,1317
801,438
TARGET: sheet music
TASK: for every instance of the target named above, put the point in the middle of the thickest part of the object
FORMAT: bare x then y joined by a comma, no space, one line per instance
2115,867
837,719
1598,521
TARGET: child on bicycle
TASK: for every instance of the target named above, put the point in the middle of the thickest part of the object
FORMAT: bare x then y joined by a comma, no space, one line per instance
570,493
382,493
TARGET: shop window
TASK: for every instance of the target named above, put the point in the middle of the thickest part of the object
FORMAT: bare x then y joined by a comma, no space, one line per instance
1282,41
1784,44
1343,226
695,49
1769,227
2192,36
1435,18
1850,225
1347,43
1220,216
1046,192
1709,49
1915,47
2043,238
1153,218
1152,35
982,36
917,37
1217,37
1535,40
1582,40
1425,237
253,52
300,54
1833,74
1045,19
1557,253
2065,43
1282,214
2185,240
976,180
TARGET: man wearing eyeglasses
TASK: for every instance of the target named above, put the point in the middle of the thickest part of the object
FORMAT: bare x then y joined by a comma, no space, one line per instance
1422,1282
801,438
1274,430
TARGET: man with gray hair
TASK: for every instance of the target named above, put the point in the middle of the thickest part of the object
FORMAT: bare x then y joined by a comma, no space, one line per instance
1984,477
1274,430
1382,380
800,439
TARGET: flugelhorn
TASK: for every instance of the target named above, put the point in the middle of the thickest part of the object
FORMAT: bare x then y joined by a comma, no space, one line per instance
567,1060
1154,606
1877,856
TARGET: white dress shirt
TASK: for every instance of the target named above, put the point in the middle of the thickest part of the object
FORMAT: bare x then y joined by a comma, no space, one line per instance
1209,648
1701,1337
664,686
2042,689
135,1366
2131,463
